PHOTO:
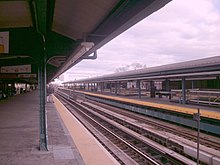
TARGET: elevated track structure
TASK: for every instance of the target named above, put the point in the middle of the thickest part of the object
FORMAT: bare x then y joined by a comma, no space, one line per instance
178,146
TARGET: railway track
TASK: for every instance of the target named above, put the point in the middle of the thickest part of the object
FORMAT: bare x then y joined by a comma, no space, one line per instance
167,140
209,145
141,149
206,140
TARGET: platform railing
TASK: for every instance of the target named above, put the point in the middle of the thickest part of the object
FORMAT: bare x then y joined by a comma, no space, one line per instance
209,97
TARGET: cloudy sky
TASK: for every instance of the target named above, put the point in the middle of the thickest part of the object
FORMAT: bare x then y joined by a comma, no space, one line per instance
180,31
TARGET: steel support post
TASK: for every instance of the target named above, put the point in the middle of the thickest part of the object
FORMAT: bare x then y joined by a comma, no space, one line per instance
183,90
139,88
42,95
102,86
110,86
192,84
116,88
152,89
167,85
196,117
198,135
94,89
98,87
218,83
119,87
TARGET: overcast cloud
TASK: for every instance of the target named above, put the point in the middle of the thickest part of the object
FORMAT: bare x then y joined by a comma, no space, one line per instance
180,31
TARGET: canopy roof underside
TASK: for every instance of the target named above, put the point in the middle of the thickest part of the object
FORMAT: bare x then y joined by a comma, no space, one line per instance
56,29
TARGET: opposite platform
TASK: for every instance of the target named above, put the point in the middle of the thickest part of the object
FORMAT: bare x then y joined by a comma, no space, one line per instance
208,112
19,130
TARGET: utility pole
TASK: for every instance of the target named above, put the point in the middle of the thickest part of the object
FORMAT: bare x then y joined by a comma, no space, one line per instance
196,116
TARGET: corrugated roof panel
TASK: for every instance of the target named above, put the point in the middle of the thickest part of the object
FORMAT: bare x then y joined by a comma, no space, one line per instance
172,68
15,14
182,65
73,18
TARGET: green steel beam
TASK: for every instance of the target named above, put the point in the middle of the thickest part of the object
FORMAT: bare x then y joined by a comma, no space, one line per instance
40,15
183,90
32,10
58,44
40,10
50,11
42,97
139,88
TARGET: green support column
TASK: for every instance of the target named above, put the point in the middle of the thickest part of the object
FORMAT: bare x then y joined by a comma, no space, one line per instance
192,84
110,86
42,96
183,90
139,88
102,87
119,87
152,89
167,84
116,88
84,86
100,84
95,86
218,83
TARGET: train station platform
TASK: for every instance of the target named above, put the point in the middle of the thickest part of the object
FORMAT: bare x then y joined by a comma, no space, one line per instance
161,103
159,108
19,130
165,100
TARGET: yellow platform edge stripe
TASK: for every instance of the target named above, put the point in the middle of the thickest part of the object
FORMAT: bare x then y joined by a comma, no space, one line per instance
204,113
84,141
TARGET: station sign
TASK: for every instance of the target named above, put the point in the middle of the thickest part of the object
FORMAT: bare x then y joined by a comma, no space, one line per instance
8,76
15,76
16,69
4,42
27,75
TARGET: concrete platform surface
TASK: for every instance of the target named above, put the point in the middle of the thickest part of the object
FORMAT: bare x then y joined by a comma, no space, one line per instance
19,134
92,152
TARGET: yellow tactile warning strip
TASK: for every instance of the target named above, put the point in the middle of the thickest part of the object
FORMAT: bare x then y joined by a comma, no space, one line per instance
92,152
204,113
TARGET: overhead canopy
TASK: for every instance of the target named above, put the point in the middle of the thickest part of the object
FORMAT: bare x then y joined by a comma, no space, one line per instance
202,68
62,31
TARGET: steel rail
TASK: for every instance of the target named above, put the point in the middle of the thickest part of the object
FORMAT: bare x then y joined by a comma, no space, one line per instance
185,133
119,137
112,133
